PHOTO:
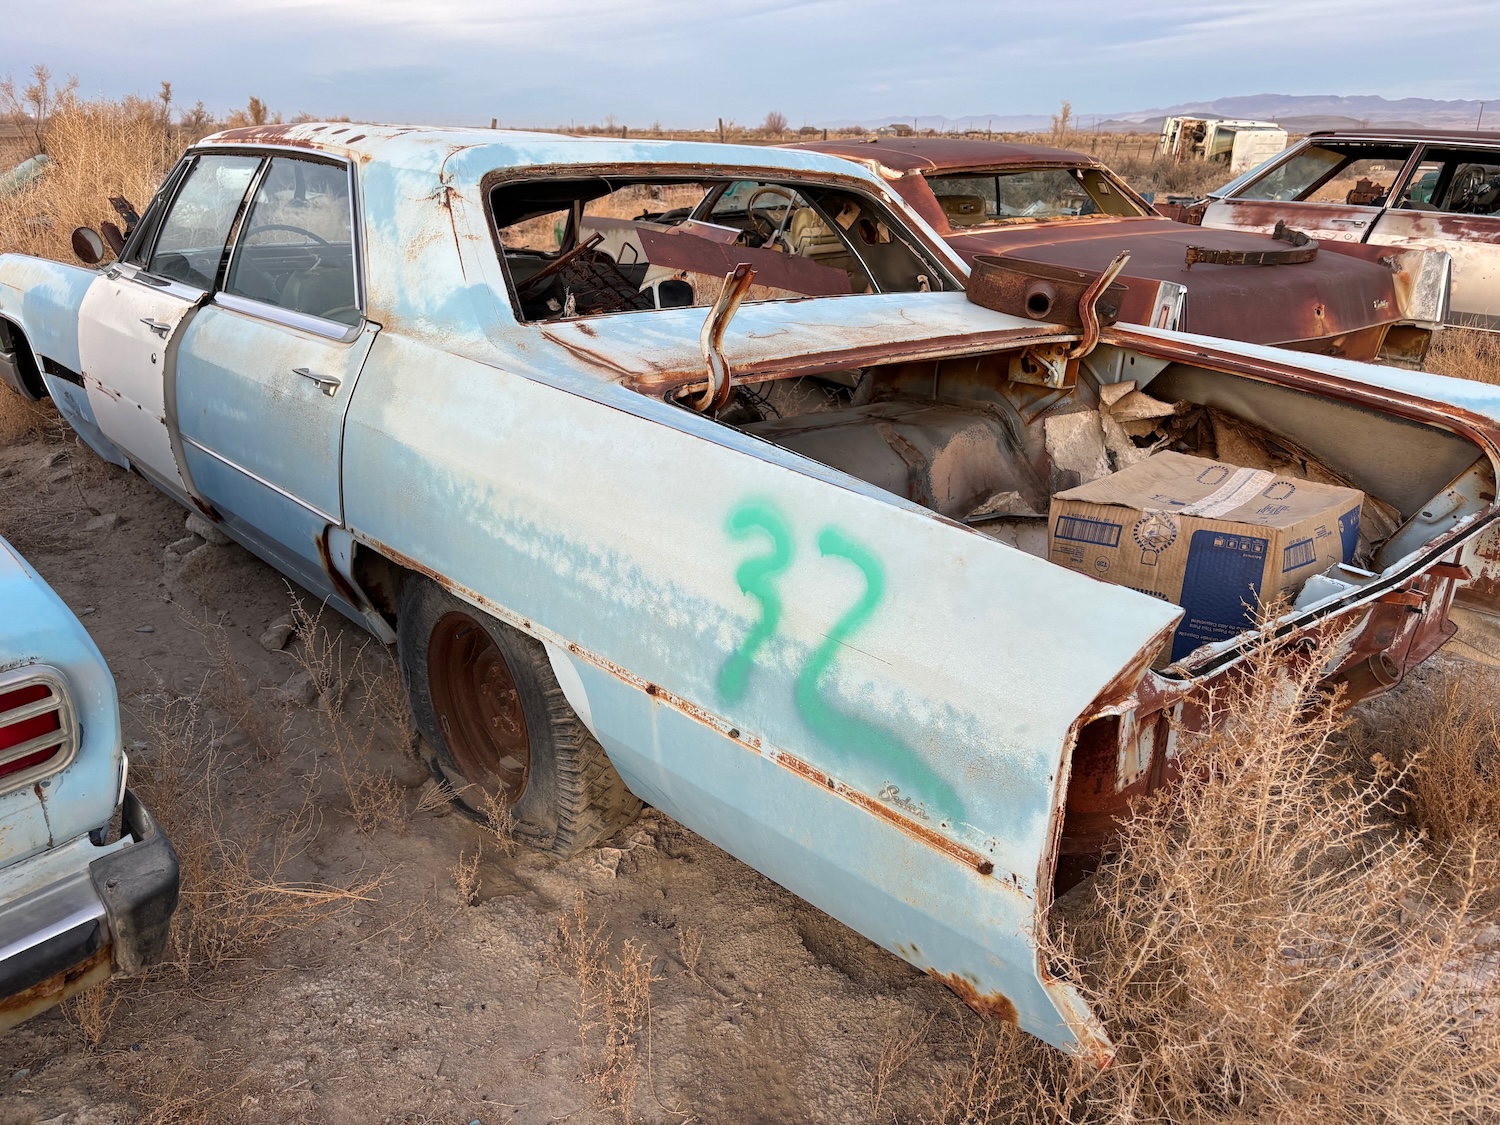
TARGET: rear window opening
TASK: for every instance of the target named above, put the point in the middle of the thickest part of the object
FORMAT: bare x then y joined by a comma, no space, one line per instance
586,247
970,199
967,439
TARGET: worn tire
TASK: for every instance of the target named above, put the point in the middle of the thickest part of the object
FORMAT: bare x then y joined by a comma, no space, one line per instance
570,795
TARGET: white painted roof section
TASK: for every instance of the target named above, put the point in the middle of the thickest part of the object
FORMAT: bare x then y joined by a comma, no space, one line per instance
428,147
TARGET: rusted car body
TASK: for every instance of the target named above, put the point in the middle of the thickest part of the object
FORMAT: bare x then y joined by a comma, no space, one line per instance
749,533
1430,189
1068,209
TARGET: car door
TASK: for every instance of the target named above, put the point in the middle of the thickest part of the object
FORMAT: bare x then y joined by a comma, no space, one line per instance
266,368
1452,203
1334,190
130,321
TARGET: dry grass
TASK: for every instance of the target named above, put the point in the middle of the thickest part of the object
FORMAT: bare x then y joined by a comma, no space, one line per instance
20,419
361,707
1270,945
1450,743
238,890
98,149
690,948
1272,942
1466,354
90,1012
466,877
894,1056
613,1008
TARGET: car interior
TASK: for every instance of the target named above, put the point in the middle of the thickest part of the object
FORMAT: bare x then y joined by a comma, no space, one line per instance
604,245
1458,181
293,247
970,199
969,440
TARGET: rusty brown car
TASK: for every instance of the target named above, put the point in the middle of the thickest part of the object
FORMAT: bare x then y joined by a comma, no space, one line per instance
1436,190
1068,209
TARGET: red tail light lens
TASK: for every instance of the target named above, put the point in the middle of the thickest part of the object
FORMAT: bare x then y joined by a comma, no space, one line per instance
36,726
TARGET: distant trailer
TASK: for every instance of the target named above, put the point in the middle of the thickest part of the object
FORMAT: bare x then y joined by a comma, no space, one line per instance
1240,144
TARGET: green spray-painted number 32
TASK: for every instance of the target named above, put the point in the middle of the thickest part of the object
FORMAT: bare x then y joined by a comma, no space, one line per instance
849,736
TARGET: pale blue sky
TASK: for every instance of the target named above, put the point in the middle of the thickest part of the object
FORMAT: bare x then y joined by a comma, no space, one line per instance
684,63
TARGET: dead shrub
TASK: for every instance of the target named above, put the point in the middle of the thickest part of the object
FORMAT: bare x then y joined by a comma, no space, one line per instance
466,877
1466,353
89,1013
361,706
20,419
238,892
614,1006
1448,737
1270,944
98,149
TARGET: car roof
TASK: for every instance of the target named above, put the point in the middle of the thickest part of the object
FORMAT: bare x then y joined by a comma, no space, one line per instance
943,154
428,148
1451,136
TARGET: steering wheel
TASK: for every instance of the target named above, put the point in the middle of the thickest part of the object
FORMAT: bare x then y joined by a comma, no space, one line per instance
319,239
1473,191
764,224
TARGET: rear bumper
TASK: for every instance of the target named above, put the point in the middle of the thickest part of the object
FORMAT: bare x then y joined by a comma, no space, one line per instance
106,917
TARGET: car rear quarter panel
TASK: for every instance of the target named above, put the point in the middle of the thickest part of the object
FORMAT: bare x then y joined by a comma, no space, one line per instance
867,703
37,628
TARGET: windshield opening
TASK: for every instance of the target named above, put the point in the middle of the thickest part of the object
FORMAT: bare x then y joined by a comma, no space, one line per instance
1361,175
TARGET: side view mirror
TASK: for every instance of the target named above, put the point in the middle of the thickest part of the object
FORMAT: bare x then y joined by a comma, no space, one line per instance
88,246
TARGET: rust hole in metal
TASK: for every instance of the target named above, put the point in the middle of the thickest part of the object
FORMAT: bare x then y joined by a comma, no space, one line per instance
474,694
994,1004
986,868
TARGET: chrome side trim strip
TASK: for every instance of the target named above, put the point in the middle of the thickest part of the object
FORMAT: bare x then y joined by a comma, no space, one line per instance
258,479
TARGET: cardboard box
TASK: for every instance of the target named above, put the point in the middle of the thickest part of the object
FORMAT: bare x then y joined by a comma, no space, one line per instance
1218,540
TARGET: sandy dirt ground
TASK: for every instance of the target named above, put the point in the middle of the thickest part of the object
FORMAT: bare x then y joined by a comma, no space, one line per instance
420,1002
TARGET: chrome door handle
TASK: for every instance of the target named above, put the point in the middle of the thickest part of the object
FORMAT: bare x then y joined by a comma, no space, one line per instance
156,326
328,384
1349,222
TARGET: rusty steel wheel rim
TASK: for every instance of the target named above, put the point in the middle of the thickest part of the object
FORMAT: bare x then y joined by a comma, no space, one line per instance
478,706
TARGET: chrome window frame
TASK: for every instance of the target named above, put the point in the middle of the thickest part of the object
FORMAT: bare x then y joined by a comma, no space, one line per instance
183,174
275,314
68,726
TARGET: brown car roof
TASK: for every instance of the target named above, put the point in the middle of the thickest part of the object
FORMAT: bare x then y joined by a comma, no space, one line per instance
1446,136
940,154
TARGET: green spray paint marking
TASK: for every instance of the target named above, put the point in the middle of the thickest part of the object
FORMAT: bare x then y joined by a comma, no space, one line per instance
852,735
754,577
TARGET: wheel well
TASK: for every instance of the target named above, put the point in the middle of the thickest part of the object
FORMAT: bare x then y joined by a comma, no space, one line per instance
12,339
380,579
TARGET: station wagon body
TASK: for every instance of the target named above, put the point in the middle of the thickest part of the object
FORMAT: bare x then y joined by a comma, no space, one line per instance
748,551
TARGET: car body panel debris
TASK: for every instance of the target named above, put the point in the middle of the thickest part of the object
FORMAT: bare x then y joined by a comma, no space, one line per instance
779,539
1237,144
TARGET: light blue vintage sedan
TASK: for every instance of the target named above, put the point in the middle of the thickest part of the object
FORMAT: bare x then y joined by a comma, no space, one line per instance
78,903
689,474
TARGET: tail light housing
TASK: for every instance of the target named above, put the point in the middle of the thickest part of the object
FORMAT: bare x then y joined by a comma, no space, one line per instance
38,727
